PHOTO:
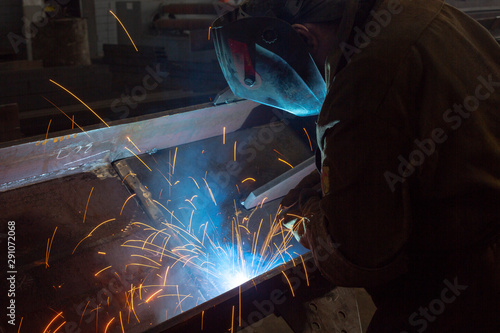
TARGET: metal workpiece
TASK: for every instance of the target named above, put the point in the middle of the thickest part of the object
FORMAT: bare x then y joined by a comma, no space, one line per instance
281,185
147,231
143,194
295,291
38,159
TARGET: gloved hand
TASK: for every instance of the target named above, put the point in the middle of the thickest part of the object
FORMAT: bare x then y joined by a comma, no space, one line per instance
296,212
311,181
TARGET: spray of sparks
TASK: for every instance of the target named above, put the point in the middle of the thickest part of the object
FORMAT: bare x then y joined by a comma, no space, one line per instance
223,259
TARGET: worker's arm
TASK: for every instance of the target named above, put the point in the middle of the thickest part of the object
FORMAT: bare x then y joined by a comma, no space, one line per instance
358,230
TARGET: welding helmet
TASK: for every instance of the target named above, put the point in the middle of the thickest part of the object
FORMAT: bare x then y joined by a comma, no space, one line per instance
265,60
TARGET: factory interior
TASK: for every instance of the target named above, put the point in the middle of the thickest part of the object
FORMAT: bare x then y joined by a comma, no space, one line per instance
143,192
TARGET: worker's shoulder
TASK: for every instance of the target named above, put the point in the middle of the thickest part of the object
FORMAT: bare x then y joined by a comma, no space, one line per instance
377,54
392,27
403,39
377,51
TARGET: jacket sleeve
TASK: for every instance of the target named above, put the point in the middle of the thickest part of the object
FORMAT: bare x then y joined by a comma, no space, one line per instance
359,235
362,224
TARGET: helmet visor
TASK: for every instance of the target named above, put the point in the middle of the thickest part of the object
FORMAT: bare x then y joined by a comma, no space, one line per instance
265,60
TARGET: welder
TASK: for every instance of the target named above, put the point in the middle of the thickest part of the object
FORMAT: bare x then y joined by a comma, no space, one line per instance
407,94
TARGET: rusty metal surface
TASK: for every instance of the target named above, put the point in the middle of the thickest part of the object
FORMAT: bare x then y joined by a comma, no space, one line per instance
65,211
38,159
109,259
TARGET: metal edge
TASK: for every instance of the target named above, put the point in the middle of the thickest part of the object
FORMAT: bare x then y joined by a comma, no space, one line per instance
229,295
37,159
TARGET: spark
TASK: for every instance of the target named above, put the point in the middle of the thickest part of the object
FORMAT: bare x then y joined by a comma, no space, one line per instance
138,255
242,226
286,277
168,181
171,213
73,123
182,300
305,270
102,270
129,174
166,273
279,152
130,197
90,234
121,322
308,138
96,317
235,142
53,319
133,309
47,134
209,30
83,312
57,329
247,179
109,323
139,158
147,301
210,190
132,142
195,182
78,99
190,221
262,203
238,188
178,296
87,205
202,315
204,233
20,323
143,265
279,159
191,202
187,261
49,247
175,157
256,240
223,135
232,319
116,17
239,306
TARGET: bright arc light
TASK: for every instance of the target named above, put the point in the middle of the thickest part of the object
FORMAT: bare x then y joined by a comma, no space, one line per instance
237,279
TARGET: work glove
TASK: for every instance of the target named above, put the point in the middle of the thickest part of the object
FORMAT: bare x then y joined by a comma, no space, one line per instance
299,205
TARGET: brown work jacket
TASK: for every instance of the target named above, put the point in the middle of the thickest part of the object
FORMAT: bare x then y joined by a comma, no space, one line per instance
409,136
